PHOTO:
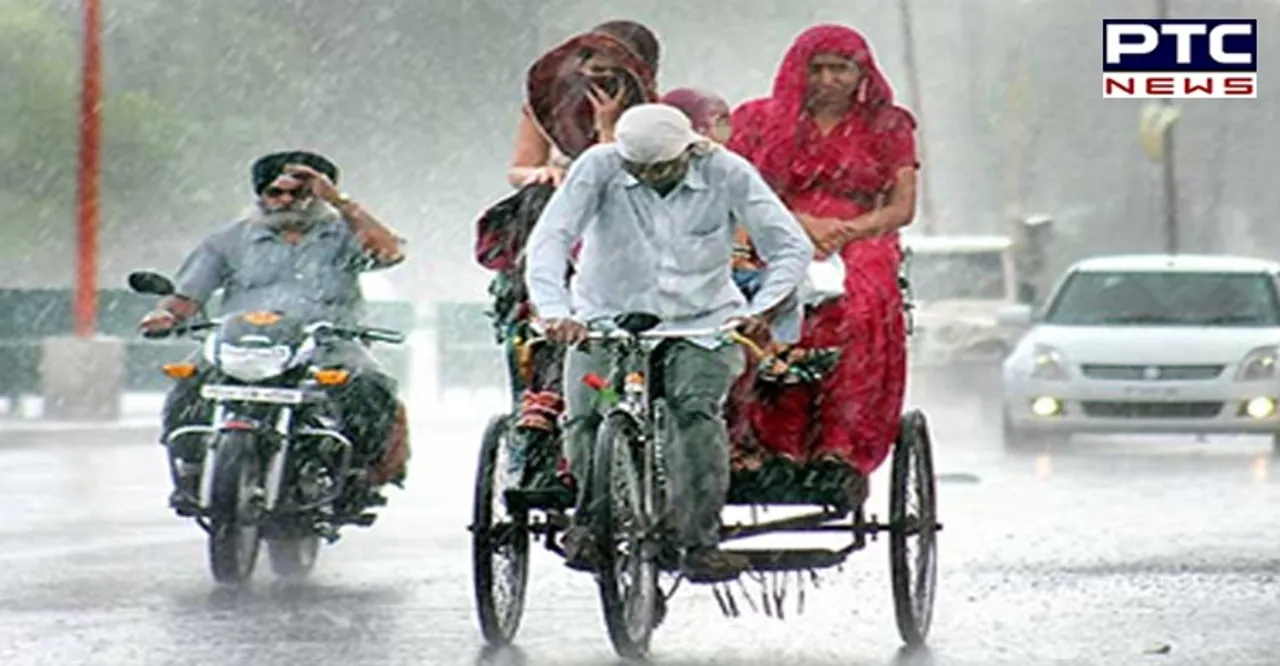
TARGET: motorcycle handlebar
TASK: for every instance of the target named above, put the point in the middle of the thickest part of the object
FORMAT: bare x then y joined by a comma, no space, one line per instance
179,330
366,333
378,335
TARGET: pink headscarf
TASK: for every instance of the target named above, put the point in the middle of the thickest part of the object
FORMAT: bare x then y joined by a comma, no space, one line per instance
699,105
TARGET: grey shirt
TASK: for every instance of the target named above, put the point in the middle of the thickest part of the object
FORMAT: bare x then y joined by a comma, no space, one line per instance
670,255
317,279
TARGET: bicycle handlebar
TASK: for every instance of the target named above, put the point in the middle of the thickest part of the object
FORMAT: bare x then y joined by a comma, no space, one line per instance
620,334
727,331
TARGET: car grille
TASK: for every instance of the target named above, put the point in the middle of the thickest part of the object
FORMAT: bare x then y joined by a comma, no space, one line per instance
1152,372
1151,410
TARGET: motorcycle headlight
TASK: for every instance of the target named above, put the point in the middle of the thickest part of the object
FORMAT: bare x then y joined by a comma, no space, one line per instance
253,364
1048,363
1258,364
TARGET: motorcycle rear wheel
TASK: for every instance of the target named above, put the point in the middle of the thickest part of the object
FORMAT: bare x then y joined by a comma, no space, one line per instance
294,557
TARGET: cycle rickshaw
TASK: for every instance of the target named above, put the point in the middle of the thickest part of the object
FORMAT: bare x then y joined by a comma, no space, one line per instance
628,479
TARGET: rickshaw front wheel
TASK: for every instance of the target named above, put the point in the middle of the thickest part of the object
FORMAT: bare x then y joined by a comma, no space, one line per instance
625,521
499,540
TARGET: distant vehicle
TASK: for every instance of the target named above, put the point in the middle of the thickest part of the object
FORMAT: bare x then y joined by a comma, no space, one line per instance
958,287
1148,344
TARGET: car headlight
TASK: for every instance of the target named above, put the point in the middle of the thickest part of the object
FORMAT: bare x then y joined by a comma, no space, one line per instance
253,364
1258,364
1048,363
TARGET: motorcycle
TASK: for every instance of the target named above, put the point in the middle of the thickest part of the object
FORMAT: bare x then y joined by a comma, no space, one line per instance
275,465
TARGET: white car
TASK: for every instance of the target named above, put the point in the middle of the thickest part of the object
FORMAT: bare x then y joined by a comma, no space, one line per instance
1148,344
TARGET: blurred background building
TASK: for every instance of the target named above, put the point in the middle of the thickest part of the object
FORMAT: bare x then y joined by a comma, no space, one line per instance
418,102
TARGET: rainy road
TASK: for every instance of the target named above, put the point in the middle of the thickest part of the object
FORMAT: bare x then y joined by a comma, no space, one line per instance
1102,554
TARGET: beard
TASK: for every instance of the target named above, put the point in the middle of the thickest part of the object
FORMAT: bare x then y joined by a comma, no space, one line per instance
294,217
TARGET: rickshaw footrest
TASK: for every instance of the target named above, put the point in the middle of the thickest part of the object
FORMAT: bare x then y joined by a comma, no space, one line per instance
791,559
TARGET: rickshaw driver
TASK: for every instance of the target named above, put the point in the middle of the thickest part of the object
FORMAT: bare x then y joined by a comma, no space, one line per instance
655,211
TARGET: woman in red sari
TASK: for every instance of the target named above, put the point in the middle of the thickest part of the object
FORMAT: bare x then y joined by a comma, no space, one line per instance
841,155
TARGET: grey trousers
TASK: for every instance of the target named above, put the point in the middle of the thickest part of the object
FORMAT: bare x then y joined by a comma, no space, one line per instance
697,382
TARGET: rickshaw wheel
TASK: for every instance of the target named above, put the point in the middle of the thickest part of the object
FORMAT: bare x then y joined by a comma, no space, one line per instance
626,518
499,542
913,514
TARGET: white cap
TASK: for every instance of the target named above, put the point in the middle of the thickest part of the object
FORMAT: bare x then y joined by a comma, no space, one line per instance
652,133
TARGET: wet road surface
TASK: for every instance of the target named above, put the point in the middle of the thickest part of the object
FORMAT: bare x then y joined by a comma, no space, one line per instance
1134,551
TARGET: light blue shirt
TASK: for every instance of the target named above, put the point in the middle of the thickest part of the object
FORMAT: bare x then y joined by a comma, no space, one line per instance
315,279
670,256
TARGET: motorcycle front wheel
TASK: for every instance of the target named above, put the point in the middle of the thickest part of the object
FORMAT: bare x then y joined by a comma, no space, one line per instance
233,529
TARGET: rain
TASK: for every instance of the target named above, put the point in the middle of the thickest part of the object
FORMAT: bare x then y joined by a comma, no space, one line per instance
1147,546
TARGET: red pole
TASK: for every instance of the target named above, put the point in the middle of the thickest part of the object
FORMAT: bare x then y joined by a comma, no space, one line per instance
86,297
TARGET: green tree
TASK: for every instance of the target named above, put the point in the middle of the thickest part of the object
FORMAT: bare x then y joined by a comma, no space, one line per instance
39,102
190,88
236,75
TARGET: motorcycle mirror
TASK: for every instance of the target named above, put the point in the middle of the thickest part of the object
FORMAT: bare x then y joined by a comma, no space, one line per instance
148,282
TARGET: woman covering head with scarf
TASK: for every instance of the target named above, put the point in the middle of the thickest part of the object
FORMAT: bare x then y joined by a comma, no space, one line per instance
841,155
708,112
574,94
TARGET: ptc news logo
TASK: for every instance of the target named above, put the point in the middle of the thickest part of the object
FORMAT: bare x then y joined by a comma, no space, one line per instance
1180,58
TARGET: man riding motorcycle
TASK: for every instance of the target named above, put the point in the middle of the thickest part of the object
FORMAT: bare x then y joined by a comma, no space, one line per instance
655,211
299,250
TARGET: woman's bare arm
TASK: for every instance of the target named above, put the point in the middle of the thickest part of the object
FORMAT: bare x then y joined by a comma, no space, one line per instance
532,151
897,212
817,227
900,210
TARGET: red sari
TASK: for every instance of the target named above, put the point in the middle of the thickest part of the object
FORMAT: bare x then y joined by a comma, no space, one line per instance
840,174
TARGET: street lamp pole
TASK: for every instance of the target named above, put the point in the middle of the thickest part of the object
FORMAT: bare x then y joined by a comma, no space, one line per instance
917,105
87,195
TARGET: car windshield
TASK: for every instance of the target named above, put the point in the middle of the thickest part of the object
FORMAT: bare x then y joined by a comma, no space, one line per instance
1165,299
957,276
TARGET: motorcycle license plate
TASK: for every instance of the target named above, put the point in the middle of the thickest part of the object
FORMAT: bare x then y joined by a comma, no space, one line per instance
275,396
